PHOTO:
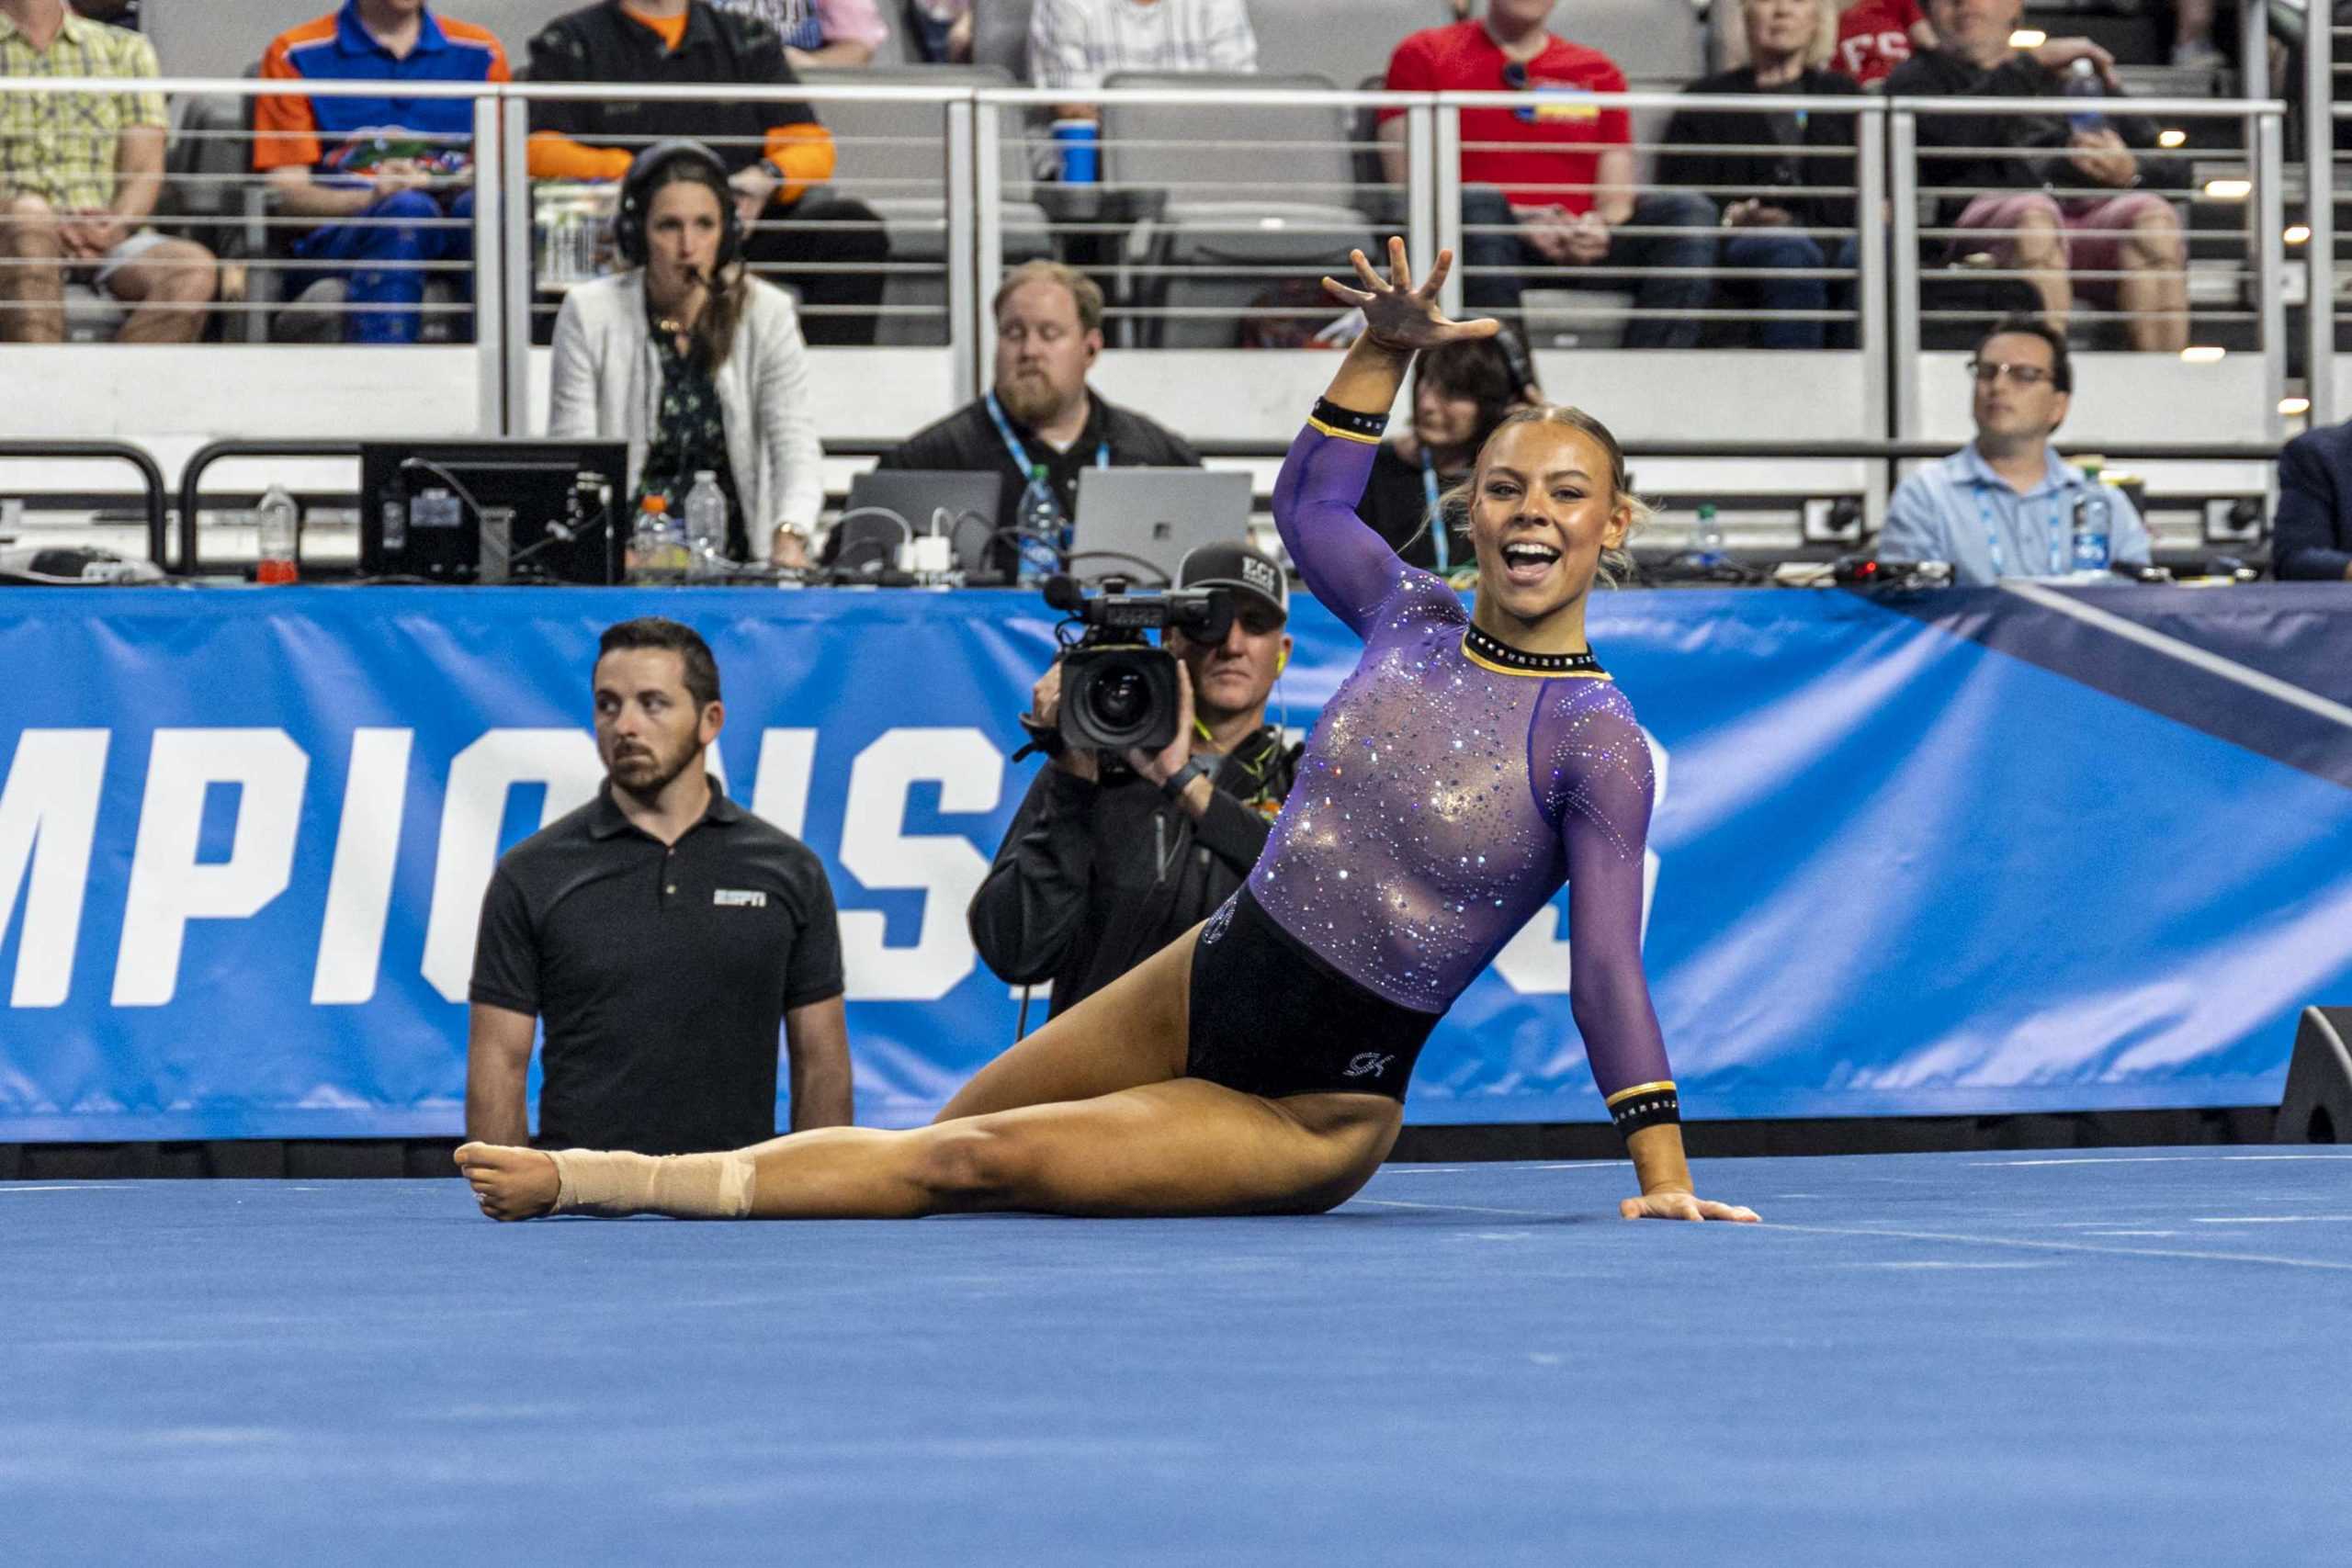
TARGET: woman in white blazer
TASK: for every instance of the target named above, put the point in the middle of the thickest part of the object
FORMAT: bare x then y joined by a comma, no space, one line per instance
694,362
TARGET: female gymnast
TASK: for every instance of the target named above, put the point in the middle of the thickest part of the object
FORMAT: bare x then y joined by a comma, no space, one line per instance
1258,1063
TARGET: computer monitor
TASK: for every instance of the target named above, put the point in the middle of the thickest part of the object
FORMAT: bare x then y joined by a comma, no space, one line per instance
422,505
1132,520
869,543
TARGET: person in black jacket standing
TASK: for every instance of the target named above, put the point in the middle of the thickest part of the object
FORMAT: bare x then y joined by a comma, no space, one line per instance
1109,861
1772,198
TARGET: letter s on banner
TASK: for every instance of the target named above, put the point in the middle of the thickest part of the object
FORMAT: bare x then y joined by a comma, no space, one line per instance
48,818
471,811
168,888
969,772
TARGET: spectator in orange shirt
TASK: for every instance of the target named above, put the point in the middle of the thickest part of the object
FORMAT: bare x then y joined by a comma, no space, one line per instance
392,177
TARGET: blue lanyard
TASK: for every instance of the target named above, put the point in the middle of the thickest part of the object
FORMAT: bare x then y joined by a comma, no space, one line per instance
1992,534
1437,521
1020,453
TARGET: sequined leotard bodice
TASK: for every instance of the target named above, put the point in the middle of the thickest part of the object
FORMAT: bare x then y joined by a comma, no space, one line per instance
1446,794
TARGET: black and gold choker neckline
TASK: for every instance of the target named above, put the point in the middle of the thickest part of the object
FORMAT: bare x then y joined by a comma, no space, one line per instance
1489,653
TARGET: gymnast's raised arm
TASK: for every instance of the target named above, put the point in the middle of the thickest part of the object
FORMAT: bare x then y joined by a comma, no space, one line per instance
1346,565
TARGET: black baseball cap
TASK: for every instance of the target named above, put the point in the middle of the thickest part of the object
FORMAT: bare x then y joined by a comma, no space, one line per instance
1239,568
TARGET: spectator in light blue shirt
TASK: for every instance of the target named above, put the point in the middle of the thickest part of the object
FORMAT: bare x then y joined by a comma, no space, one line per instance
2004,504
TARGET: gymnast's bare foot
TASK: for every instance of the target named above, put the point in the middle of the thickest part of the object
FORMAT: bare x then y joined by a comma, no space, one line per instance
510,1183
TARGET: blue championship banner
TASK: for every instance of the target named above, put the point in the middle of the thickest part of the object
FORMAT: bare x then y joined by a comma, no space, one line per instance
1975,853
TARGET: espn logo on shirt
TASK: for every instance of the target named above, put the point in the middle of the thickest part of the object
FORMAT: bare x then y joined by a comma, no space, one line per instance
738,898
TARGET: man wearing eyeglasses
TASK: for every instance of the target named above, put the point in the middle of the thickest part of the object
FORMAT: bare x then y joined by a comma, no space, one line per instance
2004,506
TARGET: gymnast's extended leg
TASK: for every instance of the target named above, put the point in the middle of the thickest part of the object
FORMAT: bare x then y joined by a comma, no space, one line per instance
1087,1116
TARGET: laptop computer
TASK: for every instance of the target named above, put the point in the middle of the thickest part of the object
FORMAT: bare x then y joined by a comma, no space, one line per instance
1143,522
919,496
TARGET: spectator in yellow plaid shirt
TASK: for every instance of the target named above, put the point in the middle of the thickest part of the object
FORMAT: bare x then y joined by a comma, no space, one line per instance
79,174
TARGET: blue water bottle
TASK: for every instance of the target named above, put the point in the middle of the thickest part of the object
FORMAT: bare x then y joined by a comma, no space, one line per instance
2082,81
1041,527
2094,522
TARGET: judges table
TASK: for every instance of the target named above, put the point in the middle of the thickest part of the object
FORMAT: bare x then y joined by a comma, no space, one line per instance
1972,851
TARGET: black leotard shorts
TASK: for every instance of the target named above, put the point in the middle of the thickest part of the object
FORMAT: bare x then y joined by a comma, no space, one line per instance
1270,1018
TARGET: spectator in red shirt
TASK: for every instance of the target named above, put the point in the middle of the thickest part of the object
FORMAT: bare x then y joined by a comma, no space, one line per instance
1876,36
1551,184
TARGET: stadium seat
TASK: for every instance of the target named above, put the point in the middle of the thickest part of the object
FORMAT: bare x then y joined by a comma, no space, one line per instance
1658,43
1230,250
1346,40
893,157
1000,36
207,166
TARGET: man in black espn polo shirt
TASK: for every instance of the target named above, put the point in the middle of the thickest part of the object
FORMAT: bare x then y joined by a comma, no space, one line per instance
663,934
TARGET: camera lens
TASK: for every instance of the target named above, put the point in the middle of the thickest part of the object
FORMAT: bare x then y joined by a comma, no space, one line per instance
1119,698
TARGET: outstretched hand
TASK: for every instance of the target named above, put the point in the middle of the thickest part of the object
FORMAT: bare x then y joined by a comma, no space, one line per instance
1671,1205
1396,315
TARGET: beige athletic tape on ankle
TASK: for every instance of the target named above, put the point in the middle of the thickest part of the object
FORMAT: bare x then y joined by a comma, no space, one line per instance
687,1186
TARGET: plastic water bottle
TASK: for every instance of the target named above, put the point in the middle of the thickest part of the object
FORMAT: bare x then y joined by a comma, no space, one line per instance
1041,527
706,526
2094,522
2082,81
657,548
279,522
1707,533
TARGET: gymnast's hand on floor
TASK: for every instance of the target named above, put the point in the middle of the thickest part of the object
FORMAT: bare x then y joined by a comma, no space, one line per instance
1669,1204
509,1183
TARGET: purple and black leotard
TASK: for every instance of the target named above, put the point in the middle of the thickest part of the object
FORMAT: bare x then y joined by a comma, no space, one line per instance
1452,783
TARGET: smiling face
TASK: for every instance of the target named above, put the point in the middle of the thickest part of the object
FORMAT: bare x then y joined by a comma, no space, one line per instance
1542,507
684,226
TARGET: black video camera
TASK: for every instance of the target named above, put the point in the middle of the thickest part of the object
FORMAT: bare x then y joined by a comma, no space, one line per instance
1118,690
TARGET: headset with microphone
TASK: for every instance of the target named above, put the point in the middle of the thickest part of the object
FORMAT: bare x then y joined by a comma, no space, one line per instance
633,215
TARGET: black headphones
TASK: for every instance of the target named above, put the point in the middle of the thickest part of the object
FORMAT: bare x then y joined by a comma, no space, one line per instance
644,177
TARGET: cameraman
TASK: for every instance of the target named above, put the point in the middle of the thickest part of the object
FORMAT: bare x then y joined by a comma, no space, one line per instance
1110,858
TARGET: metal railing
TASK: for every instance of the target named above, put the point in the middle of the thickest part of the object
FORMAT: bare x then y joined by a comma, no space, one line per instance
1231,253
150,481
